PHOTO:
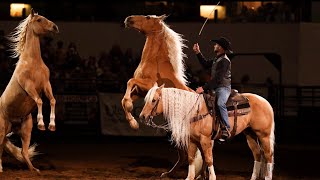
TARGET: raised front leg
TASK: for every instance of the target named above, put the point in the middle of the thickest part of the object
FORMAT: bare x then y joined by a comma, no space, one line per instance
26,128
49,94
29,88
127,101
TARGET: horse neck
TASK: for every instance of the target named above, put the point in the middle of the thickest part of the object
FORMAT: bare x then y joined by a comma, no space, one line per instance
155,43
31,51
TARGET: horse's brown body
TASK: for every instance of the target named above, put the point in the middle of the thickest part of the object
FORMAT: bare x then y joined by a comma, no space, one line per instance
155,66
257,125
29,80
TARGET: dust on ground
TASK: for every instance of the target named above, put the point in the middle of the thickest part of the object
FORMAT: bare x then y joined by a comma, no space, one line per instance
131,158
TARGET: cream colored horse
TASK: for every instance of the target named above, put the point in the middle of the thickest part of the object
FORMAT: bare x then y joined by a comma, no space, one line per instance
30,78
162,61
180,108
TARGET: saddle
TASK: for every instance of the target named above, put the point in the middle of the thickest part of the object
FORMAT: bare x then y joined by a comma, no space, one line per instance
237,105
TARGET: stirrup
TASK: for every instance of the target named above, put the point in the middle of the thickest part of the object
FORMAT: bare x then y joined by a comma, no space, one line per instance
224,138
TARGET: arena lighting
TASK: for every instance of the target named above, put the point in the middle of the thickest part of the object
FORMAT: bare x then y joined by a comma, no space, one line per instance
206,10
16,9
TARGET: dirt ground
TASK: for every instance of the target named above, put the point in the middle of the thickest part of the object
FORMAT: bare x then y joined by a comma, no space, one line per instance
114,158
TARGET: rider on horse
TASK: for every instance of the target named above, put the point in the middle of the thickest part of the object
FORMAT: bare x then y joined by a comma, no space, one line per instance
220,82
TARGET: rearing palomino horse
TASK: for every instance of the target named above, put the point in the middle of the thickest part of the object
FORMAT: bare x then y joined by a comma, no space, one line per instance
192,126
162,61
30,78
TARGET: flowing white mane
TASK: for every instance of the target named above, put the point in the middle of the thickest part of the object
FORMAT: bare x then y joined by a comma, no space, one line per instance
175,44
18,37
150,94
179,107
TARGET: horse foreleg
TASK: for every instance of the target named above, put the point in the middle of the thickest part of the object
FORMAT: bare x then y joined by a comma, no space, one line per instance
192,149
127,101
26,128
49,94
206,146
32,92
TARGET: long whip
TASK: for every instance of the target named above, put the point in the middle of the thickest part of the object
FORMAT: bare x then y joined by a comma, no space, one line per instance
208,18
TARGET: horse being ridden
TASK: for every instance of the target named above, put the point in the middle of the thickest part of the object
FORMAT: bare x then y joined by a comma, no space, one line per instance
30,78
162,61
192,126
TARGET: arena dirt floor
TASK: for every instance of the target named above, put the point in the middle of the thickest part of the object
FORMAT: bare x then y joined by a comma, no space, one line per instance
114,158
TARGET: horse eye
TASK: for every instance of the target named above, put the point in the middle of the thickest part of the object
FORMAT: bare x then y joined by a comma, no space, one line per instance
148,17
38,20
153,100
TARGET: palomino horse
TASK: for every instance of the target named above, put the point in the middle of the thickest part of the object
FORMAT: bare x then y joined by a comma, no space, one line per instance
192,126
30,78
162,61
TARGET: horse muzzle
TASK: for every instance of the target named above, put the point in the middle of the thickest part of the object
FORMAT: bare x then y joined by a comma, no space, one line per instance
55,29
145,118
142,117
128,22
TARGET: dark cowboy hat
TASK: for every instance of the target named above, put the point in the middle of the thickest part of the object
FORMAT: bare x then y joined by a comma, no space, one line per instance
224,43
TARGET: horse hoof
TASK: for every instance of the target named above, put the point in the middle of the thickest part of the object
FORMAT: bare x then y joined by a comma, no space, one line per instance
52,127
37,171
134,124
41,127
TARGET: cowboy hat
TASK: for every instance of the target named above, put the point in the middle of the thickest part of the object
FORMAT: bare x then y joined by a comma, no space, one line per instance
224,43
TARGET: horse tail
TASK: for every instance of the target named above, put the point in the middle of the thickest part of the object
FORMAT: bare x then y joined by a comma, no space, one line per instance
264,168
16,151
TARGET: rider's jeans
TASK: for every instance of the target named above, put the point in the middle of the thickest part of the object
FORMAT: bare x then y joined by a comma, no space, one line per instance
223,94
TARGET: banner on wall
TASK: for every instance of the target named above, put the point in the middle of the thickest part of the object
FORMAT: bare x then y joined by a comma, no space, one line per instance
77,109
113,121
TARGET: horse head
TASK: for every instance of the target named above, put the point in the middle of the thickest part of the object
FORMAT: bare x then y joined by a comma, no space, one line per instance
153,104
145,24
41,25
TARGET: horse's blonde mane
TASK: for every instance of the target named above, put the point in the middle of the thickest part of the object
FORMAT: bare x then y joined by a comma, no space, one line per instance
150,94
17,38
179,107
175,44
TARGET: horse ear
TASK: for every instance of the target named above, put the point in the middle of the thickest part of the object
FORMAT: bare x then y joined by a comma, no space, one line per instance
163,17
32,12
162,86
155,84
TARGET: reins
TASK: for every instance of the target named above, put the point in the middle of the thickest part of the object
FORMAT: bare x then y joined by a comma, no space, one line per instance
154,109
151,123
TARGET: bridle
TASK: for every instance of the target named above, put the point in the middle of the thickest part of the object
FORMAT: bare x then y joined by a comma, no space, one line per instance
154,111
